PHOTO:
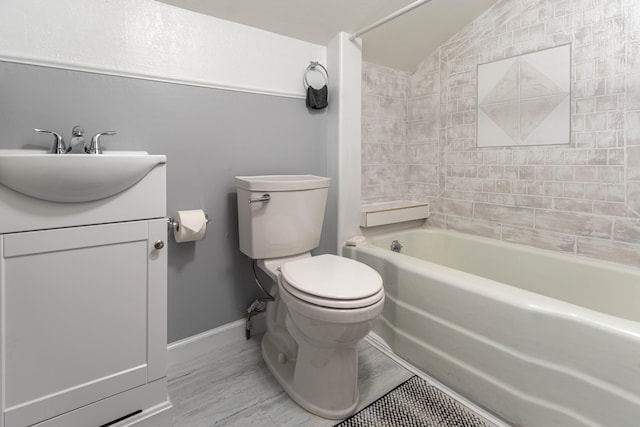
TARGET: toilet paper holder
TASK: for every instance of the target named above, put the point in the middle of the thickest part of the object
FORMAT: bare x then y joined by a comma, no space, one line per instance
173,224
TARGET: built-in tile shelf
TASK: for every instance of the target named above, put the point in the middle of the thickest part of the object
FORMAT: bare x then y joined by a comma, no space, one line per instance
376,214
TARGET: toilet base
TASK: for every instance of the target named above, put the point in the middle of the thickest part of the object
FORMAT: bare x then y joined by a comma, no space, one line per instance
311,379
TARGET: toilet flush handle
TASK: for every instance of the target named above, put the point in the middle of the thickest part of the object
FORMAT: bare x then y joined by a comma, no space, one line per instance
264,199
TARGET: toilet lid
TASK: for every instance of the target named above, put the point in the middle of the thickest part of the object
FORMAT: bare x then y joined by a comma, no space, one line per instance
333,281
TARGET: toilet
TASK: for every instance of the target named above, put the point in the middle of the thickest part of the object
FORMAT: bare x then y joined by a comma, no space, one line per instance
323,305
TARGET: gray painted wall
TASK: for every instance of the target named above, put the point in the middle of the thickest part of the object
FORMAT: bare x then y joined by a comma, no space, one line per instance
208,135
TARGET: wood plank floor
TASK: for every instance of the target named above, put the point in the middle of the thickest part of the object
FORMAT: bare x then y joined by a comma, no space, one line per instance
231,386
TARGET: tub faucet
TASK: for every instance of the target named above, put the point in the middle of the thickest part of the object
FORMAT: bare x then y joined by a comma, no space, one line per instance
396,246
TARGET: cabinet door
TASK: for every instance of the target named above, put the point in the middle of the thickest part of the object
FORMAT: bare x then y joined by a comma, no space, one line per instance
74,317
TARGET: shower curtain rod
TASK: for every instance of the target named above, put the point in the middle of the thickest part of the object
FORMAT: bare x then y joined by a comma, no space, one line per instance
394,15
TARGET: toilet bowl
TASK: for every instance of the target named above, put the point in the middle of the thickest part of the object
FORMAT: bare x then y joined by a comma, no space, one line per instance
323,305
326,305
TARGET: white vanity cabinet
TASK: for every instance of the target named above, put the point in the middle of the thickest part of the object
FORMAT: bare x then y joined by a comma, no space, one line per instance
83,310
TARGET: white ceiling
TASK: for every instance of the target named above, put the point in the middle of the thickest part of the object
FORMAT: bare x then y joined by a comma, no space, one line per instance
401,43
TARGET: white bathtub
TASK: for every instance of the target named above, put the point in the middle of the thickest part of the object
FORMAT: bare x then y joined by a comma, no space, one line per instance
536,337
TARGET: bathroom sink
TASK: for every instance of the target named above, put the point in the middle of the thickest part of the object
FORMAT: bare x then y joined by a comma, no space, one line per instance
74,178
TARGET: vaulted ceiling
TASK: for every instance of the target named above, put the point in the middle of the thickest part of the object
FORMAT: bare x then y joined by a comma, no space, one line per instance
401,43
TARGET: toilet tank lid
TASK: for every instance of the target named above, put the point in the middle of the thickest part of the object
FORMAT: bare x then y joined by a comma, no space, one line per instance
281,182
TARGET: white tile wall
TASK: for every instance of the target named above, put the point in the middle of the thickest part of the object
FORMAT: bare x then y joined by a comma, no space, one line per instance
583,198
384,130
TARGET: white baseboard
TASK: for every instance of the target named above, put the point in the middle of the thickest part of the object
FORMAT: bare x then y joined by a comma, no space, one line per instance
200,344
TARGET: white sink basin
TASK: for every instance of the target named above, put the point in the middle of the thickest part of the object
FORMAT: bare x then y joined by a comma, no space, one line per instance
74,178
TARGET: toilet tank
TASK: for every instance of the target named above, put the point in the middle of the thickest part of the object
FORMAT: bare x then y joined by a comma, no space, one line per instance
289,223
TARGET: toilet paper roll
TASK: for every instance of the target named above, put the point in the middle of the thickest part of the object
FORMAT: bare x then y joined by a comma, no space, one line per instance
190,226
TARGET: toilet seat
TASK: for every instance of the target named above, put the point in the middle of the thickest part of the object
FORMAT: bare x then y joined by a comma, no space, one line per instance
332,281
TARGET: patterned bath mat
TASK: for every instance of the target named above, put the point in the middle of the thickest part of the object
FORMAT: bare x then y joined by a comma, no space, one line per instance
417,403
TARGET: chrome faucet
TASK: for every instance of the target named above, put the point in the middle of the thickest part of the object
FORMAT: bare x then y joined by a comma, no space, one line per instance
95,147
396,246
58,142
77,140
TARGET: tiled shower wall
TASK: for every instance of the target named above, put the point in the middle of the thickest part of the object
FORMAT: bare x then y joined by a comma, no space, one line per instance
384,130
581,198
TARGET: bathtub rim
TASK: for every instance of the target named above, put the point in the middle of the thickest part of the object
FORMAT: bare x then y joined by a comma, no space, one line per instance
579,259
509,294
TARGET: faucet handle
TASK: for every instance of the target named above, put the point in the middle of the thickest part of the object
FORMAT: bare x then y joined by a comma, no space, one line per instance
95,148
58,143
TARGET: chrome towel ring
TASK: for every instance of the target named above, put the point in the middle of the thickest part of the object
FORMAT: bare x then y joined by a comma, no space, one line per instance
317,99
318,67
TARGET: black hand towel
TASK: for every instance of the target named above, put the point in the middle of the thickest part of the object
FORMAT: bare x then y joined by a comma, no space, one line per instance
317,98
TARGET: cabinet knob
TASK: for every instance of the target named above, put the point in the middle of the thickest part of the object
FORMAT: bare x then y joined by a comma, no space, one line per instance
159,244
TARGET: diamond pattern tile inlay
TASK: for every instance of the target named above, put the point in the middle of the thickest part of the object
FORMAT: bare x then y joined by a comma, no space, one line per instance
528,96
